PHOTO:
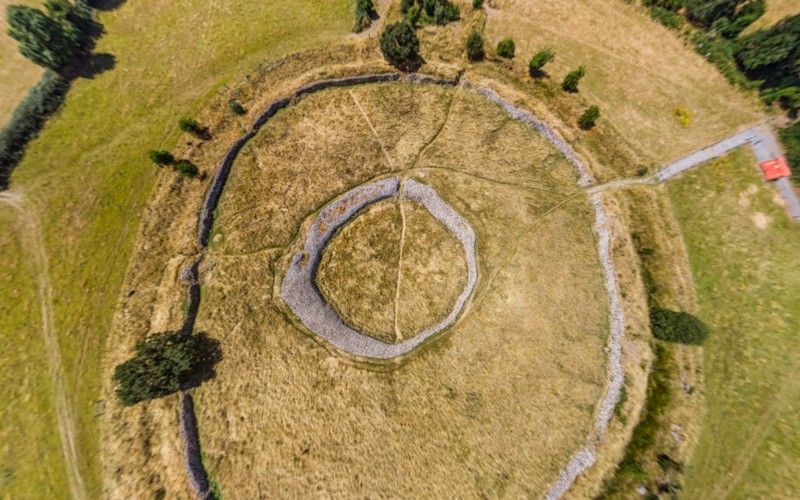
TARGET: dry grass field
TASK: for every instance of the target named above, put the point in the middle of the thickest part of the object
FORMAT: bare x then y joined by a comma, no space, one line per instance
17,74
776,11
393,271
496,406
743,249
638,72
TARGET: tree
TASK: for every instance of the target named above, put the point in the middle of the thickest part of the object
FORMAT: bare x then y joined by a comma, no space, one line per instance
570,83
163,364
161,157
506,48
538,61
589,117
42,39
475,46
681,327
708,11
399,44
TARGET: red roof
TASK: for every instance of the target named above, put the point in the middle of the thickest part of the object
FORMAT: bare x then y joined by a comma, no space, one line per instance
775,169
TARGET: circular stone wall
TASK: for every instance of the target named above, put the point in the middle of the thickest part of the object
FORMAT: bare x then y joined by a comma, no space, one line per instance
385,301
392,271
495,408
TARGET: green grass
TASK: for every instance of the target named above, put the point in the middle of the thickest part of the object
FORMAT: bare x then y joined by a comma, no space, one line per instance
29,441
88,171
747,281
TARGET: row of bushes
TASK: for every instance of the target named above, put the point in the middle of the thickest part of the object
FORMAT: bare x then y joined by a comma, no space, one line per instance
28,118
438,12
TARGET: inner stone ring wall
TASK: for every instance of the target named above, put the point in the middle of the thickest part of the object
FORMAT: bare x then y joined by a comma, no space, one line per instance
304,298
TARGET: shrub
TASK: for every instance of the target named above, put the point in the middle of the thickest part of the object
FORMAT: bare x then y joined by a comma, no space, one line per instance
235,107
405,5
538,61
186,168
570,83
364,11
429,6
506,48
43,100
589,117
412,15
164,363
190,126
475,46
399,44
445,12
683,116
477,4
161,157
681,327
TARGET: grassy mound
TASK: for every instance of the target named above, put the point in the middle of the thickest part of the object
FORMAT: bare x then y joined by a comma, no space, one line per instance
498,404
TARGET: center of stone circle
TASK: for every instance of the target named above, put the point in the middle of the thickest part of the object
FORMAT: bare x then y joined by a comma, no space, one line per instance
393,270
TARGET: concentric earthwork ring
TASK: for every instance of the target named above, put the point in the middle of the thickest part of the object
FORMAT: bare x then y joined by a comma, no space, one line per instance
304,298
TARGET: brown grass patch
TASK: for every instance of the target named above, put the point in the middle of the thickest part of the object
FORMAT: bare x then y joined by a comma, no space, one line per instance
638,71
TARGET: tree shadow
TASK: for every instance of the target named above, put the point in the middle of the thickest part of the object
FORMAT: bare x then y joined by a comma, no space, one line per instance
106,5
208,355
93,65
538,74
412,65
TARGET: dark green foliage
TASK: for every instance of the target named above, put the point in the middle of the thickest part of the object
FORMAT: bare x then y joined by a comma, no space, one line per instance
668,18
405,5
772,59
190,126
570,83
161,157
477,4
674,326
399,44
235,107
475,46
445,12
186,168
364,11
43,100
506,48
429,6
708,11
163,364
589,117
538,61
790,137
42,39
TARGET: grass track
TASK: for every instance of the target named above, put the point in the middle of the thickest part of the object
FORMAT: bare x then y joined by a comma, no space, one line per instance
87,170
747,278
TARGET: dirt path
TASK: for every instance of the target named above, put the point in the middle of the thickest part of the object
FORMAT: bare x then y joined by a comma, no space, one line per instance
31,237
397,334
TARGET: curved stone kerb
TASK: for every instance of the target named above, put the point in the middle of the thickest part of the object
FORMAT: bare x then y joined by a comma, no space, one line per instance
301,293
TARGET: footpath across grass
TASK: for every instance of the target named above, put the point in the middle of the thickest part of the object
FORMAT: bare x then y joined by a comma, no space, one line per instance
88,172
744,251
